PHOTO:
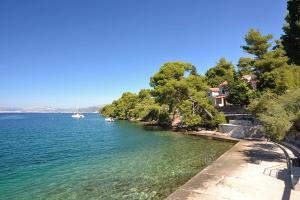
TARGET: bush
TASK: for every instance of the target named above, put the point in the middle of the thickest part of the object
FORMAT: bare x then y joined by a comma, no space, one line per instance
278,113
276,122
240,93
297,122
261,103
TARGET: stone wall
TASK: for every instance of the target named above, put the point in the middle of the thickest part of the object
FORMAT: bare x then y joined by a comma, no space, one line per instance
241,122
241,131
232,109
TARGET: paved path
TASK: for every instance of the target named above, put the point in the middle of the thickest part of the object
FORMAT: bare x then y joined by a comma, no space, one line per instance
250,170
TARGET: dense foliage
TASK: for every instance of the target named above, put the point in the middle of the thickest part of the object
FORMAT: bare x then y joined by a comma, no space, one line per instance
270,66
223,71
278,113
291,39
140,106
241,93
256,43
177,89
277,83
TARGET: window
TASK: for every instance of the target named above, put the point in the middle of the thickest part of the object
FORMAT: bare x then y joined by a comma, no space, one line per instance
222,91
219,101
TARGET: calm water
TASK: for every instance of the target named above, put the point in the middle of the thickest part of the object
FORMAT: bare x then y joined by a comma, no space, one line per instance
52,156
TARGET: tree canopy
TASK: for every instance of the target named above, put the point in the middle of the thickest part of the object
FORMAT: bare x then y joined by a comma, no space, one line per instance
223,71
256,43
241,93
177,89
291,38
169,84
269,63
278,113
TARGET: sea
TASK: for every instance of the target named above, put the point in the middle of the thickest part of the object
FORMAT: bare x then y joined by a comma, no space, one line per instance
54,156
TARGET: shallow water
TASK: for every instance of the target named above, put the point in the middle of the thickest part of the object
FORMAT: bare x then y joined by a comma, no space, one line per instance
53,156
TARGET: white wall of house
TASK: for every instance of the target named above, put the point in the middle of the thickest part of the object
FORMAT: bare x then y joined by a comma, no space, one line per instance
214,94
219,102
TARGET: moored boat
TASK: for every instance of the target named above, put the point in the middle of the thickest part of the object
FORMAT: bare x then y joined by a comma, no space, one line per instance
109,119
78,116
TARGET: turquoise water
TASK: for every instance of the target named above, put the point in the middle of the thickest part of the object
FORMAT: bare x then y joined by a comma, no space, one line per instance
52,156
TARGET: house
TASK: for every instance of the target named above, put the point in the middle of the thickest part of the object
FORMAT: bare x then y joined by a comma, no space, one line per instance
250,79
218,95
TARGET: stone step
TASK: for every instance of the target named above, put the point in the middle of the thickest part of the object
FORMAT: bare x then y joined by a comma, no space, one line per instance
241,122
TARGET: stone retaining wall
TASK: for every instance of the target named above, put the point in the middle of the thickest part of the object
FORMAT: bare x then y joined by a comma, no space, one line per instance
241,122
240,131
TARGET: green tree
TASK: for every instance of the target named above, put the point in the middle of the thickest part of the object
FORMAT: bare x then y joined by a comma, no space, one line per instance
196,110
270,65
256,43
271,60
223,71
280,80
126,105
146,109
122,108
169,85
241,93
291,38
261,103
179,89
109,110
246,66
274,72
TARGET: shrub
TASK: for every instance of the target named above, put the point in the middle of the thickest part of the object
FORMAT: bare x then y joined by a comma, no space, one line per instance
278,113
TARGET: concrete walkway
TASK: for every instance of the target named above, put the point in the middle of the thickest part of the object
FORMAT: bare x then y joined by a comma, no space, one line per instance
249,170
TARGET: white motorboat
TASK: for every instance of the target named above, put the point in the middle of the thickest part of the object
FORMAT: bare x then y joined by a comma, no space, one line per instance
109,119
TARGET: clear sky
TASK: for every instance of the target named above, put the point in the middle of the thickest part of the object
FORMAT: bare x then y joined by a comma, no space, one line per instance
53,52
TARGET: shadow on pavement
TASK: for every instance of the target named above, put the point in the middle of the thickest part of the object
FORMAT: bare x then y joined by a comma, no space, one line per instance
257,152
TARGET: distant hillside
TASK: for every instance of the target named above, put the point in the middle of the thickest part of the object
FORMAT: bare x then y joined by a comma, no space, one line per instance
49,109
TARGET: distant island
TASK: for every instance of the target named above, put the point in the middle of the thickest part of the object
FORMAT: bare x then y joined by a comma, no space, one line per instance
91,109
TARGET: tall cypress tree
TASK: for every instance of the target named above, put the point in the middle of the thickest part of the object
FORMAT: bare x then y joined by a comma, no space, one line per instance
291,38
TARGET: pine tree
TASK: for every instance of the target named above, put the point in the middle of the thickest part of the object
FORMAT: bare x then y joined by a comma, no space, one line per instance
256,43
223,71
291,39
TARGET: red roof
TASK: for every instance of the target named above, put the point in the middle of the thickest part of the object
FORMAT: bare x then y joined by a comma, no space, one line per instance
214,89
225,83
220,96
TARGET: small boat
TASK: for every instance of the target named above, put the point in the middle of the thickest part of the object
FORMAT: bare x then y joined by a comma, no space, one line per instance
77,116
109,119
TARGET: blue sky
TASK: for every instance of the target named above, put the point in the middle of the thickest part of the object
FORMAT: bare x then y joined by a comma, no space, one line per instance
53,52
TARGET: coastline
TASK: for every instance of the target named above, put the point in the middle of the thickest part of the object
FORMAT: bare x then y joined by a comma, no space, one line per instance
247,167
266,161
214,135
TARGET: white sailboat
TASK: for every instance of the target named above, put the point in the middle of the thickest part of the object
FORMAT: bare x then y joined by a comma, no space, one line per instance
77,115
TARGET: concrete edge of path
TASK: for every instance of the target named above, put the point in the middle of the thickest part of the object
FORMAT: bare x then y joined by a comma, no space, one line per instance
199,179
244,153
292,147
